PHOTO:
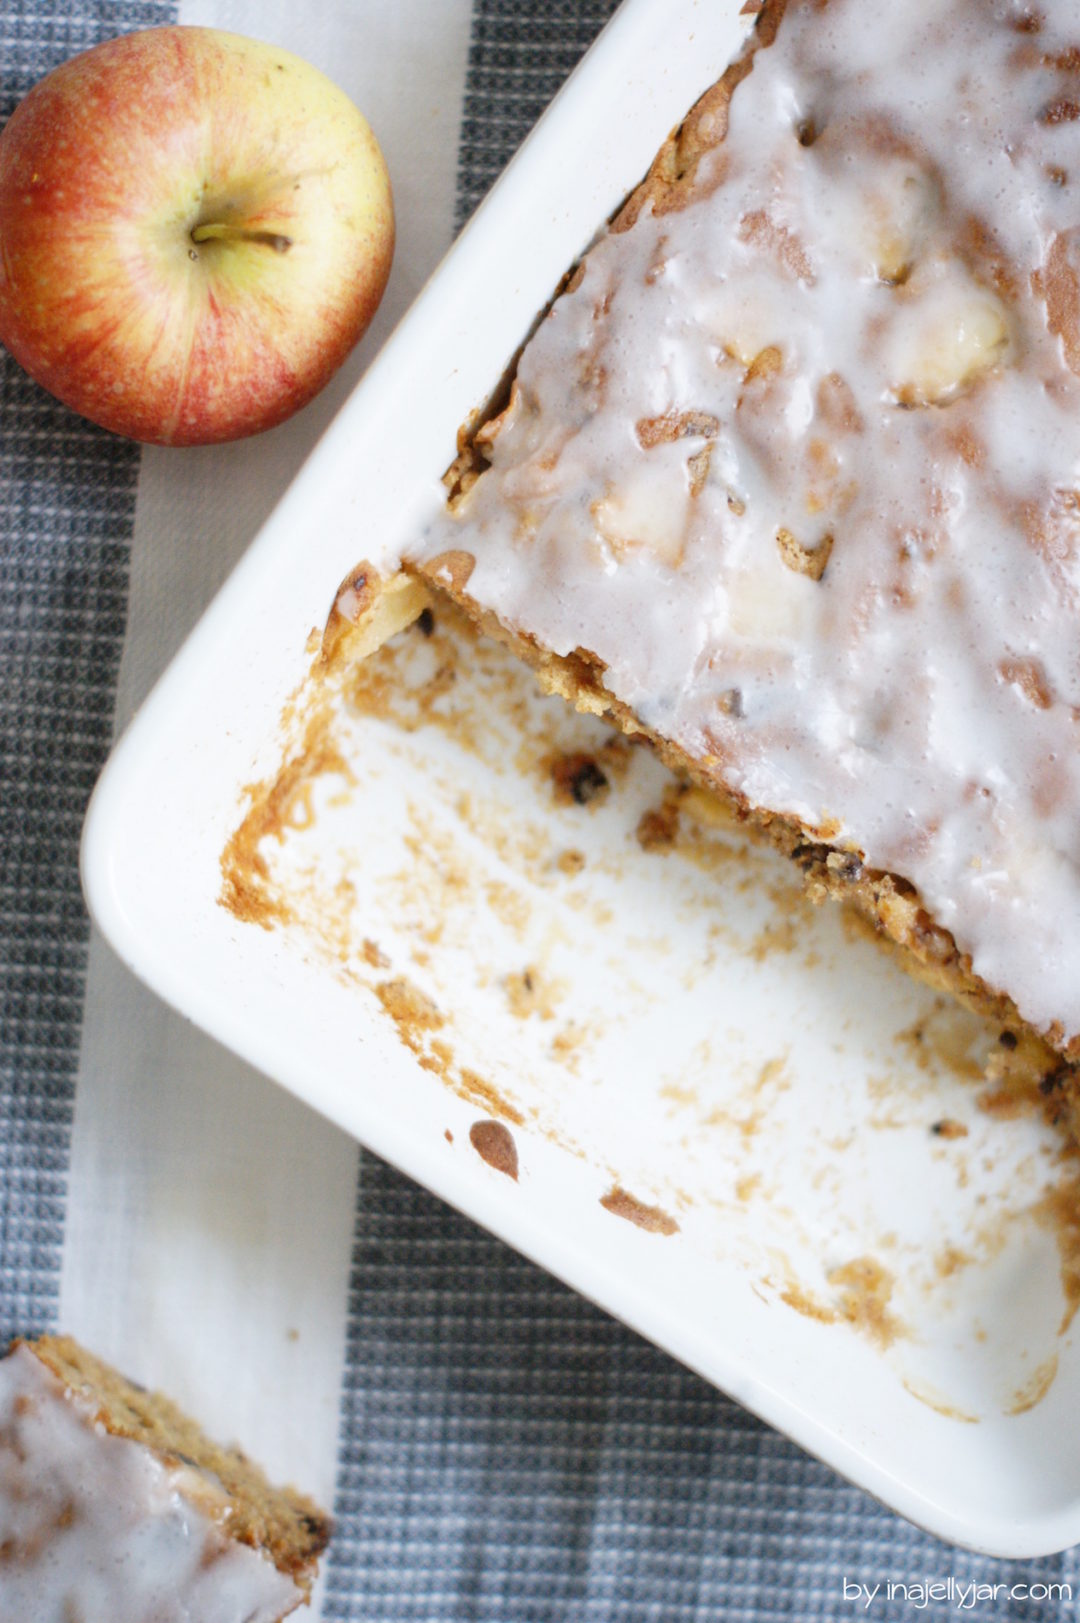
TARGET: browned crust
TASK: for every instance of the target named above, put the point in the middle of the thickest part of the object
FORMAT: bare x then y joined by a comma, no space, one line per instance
667,185
281,1523
494,1143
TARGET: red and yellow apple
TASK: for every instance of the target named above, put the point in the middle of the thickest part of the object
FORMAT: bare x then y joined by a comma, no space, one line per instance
195,229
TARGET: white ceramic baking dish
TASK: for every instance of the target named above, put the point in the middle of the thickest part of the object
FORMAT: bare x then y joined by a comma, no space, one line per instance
670,1036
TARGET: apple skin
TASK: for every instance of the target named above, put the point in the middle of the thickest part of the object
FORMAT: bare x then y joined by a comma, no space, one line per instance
195,229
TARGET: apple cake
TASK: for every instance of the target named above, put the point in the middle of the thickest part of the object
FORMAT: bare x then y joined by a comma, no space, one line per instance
115,1508
787,481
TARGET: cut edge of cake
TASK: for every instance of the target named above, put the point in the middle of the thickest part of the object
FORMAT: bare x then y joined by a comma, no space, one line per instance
281,1524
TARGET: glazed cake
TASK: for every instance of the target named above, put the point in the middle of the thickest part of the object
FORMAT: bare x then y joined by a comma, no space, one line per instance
787,480
114,1508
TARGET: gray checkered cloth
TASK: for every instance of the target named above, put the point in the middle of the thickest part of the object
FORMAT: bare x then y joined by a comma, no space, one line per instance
507,1452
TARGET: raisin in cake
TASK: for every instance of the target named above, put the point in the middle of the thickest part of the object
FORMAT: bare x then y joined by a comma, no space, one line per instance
114,1508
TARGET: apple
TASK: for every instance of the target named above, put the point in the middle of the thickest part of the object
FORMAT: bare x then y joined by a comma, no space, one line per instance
195,229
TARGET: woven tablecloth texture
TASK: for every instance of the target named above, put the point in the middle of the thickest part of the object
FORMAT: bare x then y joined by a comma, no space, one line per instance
507,1452
67,504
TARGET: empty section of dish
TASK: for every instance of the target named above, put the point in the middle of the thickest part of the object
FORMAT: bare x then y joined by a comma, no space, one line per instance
583,949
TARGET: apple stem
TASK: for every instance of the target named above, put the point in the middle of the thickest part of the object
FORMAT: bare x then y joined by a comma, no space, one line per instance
222,232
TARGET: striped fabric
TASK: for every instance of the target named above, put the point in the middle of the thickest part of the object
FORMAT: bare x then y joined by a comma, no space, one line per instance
507,1452
67,505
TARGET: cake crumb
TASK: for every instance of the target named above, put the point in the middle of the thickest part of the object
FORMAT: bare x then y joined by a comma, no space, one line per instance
577,778
411,1010
947,1128
494,1143
530,993
658,828
653,1219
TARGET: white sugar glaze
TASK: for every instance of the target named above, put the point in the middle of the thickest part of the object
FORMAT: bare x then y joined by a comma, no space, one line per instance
95,1529
898,188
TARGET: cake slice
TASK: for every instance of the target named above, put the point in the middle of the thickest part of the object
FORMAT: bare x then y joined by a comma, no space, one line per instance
115,1508
787,481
